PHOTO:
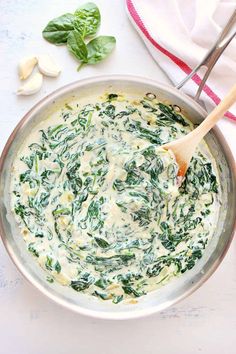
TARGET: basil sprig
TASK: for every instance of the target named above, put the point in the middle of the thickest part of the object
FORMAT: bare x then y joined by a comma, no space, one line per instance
74,28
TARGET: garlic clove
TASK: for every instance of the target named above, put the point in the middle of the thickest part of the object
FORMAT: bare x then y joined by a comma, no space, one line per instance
32,86
47,66
26,67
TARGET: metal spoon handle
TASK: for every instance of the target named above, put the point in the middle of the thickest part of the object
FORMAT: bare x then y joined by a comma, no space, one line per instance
213,55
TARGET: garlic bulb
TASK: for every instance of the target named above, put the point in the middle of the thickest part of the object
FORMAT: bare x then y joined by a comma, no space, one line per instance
26,67
32,86
47,66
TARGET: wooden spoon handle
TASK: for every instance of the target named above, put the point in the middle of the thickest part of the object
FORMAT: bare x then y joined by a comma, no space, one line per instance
184,147
217,113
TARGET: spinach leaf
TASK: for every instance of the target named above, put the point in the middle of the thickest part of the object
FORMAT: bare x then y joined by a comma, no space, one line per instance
77,47
130,290
22,212
115,260
87,19
117,299
112,96
59,211
191,259
168,113
144,133
74,179
101,295
95,215
155,270
57,267
199,179
48,263
33,250
143,216
72,29
83,282
102,283
101,242
58,29
99,48
109,111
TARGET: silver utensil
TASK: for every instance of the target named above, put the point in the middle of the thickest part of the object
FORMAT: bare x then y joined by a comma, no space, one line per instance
212,56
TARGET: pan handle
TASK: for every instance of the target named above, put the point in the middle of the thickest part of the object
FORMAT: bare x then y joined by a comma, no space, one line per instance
213,55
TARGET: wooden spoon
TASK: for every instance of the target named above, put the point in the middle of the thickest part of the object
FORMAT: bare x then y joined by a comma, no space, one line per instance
184,148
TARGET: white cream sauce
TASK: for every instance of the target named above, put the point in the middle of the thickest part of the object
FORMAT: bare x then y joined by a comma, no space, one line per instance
97,200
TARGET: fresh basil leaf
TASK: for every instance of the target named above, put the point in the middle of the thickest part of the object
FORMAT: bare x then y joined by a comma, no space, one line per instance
77,47
87,19
58,29
99,48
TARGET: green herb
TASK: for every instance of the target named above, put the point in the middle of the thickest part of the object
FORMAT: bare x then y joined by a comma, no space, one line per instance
77,47
74,28
57,267
83,282
101,242
129,290
58,30
112,96
95,51
117,299
100,295
102,283
50,279
32,249
99,48
48,263
168,114
87,19
145,133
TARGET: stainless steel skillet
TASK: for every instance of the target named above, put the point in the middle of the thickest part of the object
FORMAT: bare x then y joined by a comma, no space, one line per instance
178,288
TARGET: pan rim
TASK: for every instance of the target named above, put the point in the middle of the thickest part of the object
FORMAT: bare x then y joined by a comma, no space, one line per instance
28,116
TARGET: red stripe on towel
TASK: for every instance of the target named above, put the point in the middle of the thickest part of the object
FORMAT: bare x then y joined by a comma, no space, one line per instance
180,63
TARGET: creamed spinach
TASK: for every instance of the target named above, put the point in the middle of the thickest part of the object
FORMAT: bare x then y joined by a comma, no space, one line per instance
97,199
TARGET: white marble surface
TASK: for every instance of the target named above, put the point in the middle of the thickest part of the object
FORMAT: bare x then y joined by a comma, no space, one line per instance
29,322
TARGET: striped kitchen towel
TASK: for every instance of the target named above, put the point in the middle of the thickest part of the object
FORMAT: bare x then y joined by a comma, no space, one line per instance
178,33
